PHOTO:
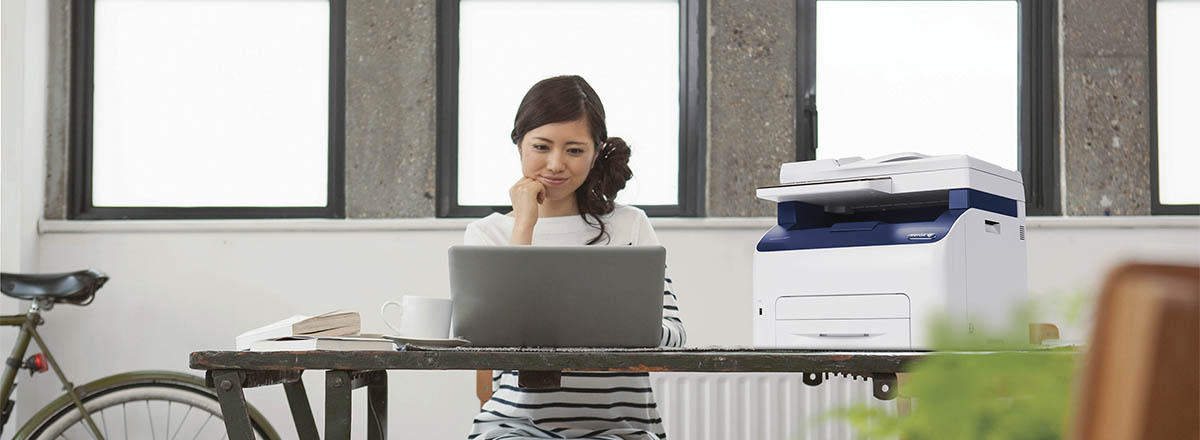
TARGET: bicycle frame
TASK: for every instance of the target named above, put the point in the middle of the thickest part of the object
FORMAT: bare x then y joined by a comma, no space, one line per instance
28,324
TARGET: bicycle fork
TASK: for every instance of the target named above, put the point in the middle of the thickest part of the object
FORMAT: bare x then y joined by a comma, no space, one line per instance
13,365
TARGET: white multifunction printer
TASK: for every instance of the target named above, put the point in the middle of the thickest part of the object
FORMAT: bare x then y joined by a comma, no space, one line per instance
867,252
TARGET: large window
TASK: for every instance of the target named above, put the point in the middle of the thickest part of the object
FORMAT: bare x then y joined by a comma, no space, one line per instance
201,109
936,77
1174,98
644,59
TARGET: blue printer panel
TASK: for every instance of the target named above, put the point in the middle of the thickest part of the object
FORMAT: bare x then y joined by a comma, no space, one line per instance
806,226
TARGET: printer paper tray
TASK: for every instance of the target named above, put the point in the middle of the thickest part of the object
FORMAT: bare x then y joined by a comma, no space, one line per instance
851,192
843,333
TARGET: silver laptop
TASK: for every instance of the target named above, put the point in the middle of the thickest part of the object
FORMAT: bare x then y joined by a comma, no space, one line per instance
568,296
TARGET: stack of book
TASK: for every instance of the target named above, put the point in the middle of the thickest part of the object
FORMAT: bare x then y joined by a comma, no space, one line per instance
338,331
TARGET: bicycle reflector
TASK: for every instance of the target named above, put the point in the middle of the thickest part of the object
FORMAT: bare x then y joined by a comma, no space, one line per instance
37,364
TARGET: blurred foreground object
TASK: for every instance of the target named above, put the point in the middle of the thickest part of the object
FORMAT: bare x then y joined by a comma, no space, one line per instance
1142,376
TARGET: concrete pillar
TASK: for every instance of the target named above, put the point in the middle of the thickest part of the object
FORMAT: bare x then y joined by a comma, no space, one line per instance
752,102
1105,92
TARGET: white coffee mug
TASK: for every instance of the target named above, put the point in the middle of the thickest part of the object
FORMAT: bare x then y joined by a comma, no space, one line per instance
420,317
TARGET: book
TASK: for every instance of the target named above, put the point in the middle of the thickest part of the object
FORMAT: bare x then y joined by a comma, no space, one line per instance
335,323
332,343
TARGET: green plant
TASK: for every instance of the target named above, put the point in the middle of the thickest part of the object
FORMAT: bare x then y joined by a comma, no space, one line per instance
976,389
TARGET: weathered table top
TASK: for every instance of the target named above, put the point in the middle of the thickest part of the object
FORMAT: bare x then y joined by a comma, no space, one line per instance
682,360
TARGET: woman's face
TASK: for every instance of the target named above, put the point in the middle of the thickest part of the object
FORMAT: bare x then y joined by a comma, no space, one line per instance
558,155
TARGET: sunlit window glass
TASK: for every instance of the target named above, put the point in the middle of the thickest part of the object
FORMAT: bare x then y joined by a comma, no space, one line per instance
628,51
934,77
210,103
1177,45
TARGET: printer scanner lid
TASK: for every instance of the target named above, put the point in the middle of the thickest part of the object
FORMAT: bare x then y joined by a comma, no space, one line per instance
894,179
854,168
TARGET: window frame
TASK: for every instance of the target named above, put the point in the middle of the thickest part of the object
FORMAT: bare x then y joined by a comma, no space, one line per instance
1156,207
1037,93
80,135
692,115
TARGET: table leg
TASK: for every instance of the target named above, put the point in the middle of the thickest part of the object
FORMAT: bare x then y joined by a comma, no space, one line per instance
233,403
377,405
337,405
302,413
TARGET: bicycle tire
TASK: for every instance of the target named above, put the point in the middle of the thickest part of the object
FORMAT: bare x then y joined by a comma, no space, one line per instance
145,394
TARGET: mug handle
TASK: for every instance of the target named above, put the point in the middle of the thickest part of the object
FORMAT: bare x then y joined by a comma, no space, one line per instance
383,308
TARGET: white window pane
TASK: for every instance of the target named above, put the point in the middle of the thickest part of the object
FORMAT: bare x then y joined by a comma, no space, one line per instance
627,51
210,103
1178,42
935,77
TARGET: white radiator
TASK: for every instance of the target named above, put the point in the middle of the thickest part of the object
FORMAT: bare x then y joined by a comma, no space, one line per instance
757,406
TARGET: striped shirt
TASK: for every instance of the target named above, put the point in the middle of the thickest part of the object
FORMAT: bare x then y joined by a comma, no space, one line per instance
592,405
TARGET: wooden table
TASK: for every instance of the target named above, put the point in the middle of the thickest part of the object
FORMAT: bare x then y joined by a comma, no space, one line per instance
229,372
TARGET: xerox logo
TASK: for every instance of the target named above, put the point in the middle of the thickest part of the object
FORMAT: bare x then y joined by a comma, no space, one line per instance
922,237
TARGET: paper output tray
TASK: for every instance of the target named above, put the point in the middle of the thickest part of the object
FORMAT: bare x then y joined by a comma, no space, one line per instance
840,193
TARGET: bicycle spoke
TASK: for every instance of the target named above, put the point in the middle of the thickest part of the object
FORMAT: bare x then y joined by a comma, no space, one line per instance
167,433
181,422
125,420
150,417
210,416
104,421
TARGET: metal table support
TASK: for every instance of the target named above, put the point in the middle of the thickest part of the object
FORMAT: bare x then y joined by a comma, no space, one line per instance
338,386
233,402
302,415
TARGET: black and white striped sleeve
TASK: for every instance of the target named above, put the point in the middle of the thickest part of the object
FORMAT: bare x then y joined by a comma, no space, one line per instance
673,333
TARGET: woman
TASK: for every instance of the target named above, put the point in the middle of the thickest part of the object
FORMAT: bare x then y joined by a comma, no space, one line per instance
571,172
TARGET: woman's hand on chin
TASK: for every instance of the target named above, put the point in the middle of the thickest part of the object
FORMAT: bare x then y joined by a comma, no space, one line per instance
526,195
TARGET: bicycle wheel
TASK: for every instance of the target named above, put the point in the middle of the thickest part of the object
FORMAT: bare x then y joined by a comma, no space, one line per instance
143,409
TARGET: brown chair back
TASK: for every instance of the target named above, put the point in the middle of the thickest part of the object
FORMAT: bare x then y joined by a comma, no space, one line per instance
1142,376
483,386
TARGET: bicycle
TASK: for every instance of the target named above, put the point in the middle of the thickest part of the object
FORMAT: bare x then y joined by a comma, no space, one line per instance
90,409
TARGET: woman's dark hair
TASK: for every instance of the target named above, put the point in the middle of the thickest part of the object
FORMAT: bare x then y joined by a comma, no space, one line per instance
570,98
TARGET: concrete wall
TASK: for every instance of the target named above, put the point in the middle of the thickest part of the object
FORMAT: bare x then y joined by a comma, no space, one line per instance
390,110
1105,87
752,102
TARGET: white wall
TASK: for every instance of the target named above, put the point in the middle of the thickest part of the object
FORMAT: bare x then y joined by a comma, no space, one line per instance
23,129
179,287
23,50
1069,257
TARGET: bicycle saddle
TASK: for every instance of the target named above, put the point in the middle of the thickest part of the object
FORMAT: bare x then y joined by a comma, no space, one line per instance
77,288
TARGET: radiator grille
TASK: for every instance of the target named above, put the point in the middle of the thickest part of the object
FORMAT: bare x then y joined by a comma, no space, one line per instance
760,406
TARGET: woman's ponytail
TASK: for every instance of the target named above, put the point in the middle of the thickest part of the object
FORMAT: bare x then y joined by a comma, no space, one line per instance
608,176
611,170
